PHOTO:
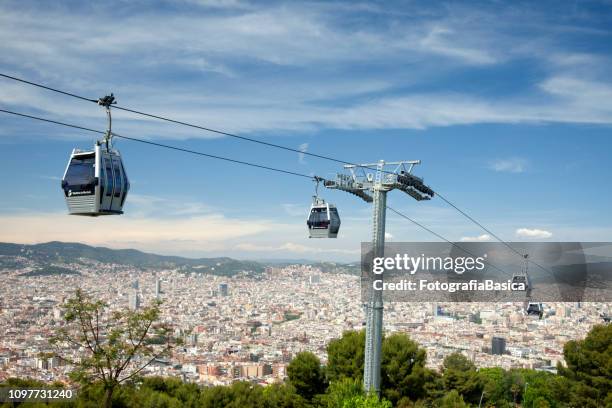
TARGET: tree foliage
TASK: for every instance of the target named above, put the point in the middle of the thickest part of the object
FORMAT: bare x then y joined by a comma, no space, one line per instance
403,368
345,356
459,373
112,346
306,376
366,401
340,391
589,368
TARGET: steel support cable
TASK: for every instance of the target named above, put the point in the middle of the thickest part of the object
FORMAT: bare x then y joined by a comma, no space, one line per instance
443,238
51,121
48,88
202,154
192,125
212,156
244,138
493,234
178,122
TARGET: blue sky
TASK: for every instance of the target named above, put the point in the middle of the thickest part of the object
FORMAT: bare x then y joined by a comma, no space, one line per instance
508,105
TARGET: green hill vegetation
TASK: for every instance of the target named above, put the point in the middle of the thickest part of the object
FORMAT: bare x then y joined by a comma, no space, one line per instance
16,256
51,270
50,253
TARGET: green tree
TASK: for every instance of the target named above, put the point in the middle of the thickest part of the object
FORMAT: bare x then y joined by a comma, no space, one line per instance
403,365
114,346
517,386
366,401
306,375
460,374
340,391
589,368
282,396
539,402
185,394
452,400
403,369
496,386
542,386
345,356
239,395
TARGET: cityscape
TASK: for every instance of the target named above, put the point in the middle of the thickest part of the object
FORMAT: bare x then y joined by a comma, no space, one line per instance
249,326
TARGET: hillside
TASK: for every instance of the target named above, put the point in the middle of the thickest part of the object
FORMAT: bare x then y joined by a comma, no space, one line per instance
45,258
51,253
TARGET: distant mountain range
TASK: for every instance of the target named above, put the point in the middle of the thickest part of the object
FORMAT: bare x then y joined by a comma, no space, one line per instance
46,256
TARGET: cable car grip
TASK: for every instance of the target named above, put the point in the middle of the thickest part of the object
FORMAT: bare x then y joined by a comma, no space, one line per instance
107,101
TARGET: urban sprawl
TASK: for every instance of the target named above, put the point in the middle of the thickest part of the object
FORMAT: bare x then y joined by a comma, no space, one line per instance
249,326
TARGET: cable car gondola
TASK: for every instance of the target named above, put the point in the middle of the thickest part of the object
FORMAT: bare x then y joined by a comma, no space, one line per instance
323,220
532,309
95,182
535,310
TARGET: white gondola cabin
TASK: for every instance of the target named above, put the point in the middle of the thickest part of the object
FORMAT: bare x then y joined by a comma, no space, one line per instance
95,182
323,220
535,310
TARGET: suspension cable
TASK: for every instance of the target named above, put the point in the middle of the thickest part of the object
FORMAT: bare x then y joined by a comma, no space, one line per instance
261,142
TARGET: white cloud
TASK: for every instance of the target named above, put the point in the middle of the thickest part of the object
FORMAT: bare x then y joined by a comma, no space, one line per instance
512,165
303,148
479,238
139,205
443,41
296,210
388,235
52,178
222,4
225,36
153,234
533,233
201,232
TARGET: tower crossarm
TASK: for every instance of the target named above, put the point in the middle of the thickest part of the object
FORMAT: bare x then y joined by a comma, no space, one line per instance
346,183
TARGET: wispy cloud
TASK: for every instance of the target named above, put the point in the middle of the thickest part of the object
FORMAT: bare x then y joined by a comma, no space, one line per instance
443,41
139,205
295,210
511,165
220,76
303,148
52,178
154,234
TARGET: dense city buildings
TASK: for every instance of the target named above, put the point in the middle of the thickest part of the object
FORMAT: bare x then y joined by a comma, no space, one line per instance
249,326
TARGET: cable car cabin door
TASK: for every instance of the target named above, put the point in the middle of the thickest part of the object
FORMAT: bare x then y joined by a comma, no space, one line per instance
113,182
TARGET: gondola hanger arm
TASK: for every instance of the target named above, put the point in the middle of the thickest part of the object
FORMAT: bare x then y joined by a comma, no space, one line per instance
106,102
